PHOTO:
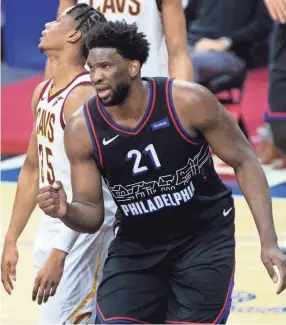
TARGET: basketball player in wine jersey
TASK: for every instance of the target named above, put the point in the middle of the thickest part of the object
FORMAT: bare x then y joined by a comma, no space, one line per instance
163,23
66,262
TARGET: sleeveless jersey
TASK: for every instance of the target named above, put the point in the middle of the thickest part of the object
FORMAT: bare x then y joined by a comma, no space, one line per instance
156,169
148,19
50,124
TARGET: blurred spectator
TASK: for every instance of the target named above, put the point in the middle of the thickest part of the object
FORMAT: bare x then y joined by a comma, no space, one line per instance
277,85
222,34
2,42
273,148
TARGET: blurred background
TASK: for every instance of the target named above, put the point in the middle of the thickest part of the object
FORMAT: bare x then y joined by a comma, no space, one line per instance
236,69
239,75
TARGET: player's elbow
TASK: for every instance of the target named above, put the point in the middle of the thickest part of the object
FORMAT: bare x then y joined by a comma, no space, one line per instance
248,160
94,228
180,67
96,224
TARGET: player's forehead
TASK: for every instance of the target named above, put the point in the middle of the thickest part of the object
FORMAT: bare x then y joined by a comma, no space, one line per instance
99,54
66,11
65,16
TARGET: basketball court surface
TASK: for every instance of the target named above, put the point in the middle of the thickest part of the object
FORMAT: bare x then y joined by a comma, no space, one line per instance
254,297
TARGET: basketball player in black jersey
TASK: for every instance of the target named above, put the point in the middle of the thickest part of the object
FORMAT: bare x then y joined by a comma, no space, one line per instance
173,256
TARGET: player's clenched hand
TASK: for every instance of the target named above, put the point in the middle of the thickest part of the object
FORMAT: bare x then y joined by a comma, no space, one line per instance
52,200
49,276
9,261
271,256
277,9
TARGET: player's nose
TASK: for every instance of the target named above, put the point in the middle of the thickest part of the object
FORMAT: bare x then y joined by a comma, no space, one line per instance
97,77
47,25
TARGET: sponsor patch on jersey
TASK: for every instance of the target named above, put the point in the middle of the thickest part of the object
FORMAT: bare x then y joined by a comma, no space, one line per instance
164,123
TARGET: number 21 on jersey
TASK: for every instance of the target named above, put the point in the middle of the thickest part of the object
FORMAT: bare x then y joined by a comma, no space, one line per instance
46,168
137,156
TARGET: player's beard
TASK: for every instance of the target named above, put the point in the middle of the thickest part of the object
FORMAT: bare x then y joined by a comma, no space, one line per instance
119,94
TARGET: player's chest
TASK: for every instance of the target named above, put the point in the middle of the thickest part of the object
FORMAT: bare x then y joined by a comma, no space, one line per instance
48,122
148,155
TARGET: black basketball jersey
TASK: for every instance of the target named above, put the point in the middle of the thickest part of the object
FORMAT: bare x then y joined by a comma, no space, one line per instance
157,168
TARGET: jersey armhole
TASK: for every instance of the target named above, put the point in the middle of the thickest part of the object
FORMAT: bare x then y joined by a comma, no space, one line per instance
62,113
174,117
41,94
93,136
159,5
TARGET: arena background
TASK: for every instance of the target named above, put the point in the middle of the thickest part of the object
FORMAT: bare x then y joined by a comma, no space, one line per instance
254,297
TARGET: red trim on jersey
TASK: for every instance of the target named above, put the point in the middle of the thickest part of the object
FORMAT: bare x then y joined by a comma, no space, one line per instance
119,318
276,114
50,97
173,117
62,115
94,135
143,123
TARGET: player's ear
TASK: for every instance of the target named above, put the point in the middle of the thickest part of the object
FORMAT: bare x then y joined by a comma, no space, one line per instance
74,36
134,68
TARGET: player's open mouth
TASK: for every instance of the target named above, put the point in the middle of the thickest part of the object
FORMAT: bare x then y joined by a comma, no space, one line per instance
103,92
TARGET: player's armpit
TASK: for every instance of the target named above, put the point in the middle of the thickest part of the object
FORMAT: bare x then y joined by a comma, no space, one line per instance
86,212
32,152
229,143
174,23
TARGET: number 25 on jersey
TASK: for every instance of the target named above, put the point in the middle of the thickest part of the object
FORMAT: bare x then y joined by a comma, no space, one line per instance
137,156
46,169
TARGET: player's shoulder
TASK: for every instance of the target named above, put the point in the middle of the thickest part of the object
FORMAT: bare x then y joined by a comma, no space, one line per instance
78,96
191,93
195,102
40,88
77,121
82,91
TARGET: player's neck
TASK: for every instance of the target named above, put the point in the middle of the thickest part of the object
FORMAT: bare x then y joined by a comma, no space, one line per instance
135,105
64,71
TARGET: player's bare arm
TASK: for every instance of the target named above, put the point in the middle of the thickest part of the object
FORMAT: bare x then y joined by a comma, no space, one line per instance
24,203
49,276
77,97
86,212
179,62
199,110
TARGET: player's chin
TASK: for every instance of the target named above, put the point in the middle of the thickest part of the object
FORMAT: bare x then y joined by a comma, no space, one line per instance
107,101
41,45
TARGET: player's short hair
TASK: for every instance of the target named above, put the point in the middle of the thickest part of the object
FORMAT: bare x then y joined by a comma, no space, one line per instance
86,17
125,38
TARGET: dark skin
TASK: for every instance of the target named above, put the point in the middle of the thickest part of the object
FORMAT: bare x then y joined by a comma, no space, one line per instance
197,109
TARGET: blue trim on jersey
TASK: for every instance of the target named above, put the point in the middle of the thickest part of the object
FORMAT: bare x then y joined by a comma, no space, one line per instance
268,117
142,119
95,149
175,114
227,309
